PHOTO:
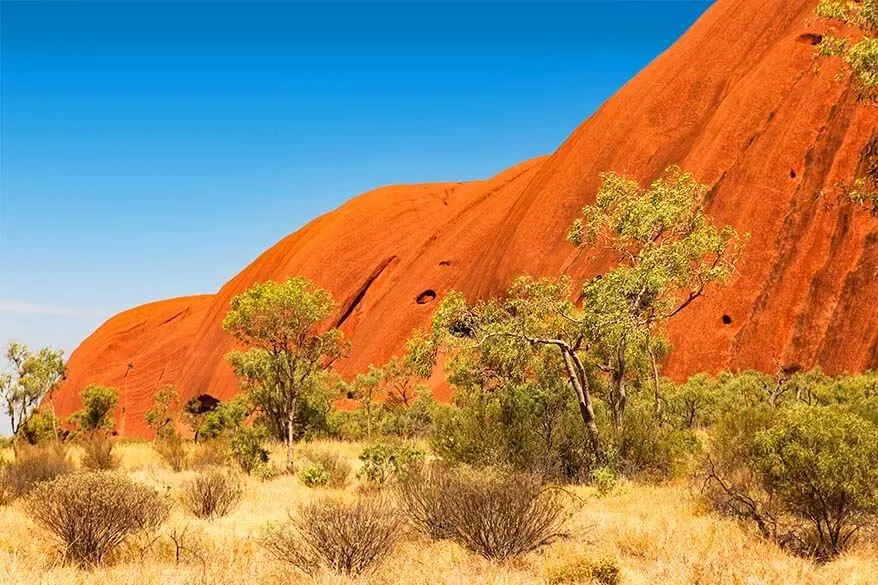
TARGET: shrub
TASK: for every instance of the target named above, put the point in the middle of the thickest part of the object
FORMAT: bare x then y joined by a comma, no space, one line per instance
604,480
247,450
91,514
33,465
645,447
313,475
808,479
210,453
350,538
98,454
532,427
172,451
212,493
386,462
498,517
335,468
422,495
98,403
584,570
41,428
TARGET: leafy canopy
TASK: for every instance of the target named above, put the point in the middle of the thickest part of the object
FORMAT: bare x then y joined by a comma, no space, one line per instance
98,403
668,252
283,323
28,379
860,54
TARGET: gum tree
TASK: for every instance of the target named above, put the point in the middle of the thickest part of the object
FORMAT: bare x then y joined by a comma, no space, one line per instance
289,347
28,379
669,251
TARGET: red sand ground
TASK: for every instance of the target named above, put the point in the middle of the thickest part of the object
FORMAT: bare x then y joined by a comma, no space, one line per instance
737,101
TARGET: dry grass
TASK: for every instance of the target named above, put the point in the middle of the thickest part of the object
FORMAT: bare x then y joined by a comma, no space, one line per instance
655,534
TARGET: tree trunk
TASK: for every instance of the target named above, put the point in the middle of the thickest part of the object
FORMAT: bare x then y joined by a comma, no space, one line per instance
576,374
291,421
617,388
658,390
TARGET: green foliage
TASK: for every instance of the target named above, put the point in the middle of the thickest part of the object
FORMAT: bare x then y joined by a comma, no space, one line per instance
246,448
604,480
225,419
98,403
669,252
647,447
40,428
159,418
389,419
807,476
324,467
29,378
281,322
314,475
695,404
387,462
861,55
528,423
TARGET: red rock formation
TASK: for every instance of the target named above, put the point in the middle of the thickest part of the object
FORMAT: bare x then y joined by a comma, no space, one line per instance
736,101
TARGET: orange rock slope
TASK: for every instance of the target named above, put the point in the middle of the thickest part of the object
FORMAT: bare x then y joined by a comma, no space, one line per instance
737,101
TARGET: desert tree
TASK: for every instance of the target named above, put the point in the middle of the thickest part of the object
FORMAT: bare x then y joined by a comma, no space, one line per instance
283,323
668,251
98,403
159,417
857,47
29,378
364,388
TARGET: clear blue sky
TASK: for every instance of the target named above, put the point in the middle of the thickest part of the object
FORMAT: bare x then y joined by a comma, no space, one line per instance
153,149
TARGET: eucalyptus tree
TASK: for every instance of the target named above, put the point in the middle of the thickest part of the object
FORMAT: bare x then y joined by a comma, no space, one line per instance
28,379
668,252
290,346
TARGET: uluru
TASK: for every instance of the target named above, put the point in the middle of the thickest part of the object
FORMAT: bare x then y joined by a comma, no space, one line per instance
739,101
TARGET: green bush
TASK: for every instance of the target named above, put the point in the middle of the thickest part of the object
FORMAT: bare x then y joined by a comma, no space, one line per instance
314,475
40,428
324,467
98,403
387,462
604,480
246,448
647,447
808,479
391,420
532,428
91,514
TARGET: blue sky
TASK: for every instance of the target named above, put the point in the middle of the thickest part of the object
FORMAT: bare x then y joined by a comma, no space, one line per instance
153,149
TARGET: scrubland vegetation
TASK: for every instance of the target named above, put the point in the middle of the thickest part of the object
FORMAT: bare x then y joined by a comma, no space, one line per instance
565,456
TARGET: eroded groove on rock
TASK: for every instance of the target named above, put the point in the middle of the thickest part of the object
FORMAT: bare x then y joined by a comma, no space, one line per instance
358,297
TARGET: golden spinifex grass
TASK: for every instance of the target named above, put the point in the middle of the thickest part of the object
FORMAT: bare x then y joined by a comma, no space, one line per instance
654,534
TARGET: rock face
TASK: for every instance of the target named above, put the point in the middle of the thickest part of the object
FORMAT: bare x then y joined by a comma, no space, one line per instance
737,101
